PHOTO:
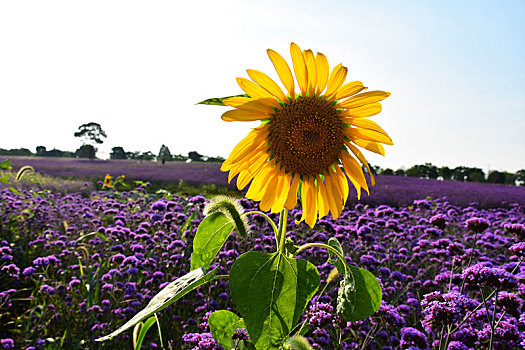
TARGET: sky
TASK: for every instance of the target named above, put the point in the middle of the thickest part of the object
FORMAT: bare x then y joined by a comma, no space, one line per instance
455,70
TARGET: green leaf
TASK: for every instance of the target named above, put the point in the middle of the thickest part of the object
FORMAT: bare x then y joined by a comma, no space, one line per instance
6,164
143,330
218,100
167,296
4,179
271,292
359,295
211,234
334,260
223,324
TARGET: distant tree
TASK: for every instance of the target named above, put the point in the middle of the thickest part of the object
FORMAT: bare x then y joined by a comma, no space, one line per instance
496,177
55,153
459,173
194,156
146,156
510,178
16,152
414,171
214,159
91,133
86,151
164,154
181,158
520,177
117,153
400,172
41,151
430,171
387,171
445,172
475,175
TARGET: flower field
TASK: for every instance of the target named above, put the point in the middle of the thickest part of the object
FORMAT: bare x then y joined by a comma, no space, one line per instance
391,190
74,268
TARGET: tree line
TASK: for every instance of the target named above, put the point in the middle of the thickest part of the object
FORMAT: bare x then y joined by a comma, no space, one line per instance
460,173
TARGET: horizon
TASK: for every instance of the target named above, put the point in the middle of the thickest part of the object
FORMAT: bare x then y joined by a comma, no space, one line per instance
454,70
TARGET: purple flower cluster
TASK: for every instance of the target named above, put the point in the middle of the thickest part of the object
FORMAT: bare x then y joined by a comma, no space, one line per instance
93,261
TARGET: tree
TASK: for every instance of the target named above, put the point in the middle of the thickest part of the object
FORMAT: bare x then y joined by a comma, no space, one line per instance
41,151
387,171
496,177
414,171
400,172
445,172
164,154
117,153
91,133
520,177
86,151
194,156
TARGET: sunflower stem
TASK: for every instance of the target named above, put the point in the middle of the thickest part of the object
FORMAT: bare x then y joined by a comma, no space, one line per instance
279,238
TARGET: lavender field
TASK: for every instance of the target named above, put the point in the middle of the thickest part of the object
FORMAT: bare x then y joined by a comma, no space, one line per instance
391,190
75,268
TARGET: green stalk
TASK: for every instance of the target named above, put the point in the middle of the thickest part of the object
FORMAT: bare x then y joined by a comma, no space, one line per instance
327,247
283,220
265,216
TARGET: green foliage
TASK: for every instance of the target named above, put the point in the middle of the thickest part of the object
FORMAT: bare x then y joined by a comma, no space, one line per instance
223,324
164,153
144,327
213,231
91,133
86,151
218,100
359,295
298,342
271,292
167,296
6,164
118,153
360,292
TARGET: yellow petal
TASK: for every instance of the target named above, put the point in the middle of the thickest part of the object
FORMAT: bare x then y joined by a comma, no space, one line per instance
336,79
365,124
322,198
309,202
375,147
283,71
299,67
282,193
260,105
291,200
369,135
312,71
270,192
364,99
362,159
267,83
241,115
349,89
322,72
249,172
253,90
353,168
258,184
249,143
343,184
334,194
363,111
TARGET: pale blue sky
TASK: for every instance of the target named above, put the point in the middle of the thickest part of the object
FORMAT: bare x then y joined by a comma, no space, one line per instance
454,68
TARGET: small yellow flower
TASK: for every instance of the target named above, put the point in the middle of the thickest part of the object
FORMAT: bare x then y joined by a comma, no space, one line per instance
308,141
107,181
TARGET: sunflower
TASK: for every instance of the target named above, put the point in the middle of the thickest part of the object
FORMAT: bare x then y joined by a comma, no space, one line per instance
309,141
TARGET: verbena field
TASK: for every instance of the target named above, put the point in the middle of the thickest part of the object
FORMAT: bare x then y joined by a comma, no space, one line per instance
76,264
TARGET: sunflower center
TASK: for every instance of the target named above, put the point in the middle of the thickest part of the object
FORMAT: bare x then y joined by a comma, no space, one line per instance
306,136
